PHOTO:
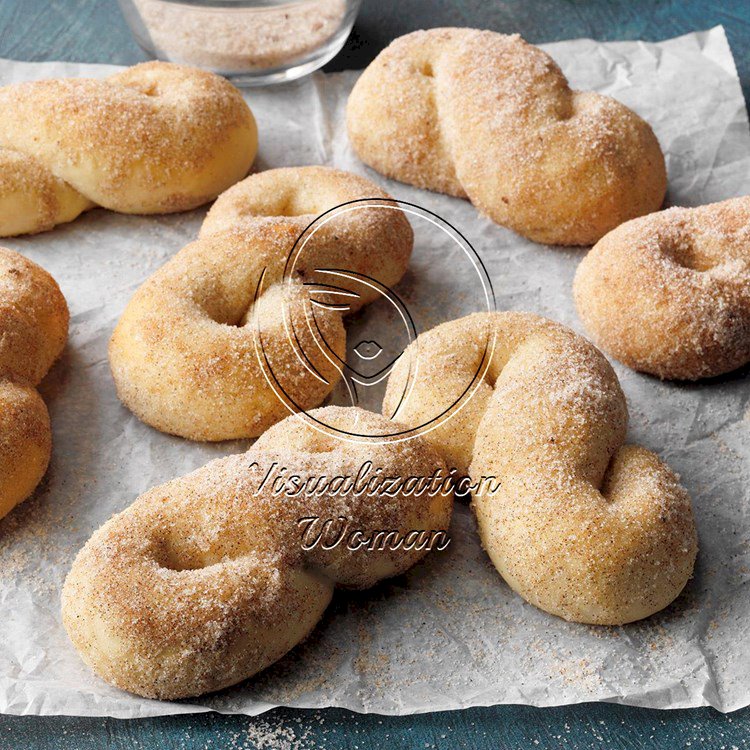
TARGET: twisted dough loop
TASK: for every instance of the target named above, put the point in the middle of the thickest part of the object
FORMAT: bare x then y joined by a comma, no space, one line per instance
33,331
204,581
155,138
669,294
187,353
577,523
489,117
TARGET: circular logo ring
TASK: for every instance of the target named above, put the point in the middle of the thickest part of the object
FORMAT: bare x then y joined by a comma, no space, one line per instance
291,276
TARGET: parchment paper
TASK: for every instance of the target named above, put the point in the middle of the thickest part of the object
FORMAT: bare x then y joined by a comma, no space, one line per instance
450,634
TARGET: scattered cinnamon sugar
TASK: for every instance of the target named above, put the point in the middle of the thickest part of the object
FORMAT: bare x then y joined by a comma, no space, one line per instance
233,40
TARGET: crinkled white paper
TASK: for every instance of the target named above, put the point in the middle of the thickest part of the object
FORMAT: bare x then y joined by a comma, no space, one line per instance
450,634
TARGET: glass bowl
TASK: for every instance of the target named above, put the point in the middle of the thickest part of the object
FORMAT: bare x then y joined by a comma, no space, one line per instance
253,43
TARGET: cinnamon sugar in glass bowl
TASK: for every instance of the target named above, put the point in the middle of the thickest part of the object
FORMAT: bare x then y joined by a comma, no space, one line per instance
253,43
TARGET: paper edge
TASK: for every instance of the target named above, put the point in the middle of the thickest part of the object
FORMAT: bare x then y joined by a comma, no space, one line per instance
715,46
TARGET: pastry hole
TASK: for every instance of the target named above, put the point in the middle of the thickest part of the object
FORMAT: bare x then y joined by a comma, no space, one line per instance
152,89
687,255
175,557
323,443
426,70
304,203
222,320
178,566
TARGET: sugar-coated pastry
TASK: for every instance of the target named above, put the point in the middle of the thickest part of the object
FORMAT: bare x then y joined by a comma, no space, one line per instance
155,138
33,331
208,579
222,342
576,522
491,118
669,293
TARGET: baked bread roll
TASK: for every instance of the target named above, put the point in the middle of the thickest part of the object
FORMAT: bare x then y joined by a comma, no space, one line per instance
155,138
209,579
488,117
33,332
229,337
576,522
669,294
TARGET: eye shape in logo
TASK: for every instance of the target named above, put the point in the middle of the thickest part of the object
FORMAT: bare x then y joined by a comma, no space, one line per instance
368,350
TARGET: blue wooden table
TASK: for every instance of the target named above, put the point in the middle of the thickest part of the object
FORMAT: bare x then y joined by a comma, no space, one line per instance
93,31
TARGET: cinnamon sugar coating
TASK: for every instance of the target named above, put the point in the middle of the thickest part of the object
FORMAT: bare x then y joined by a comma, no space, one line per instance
669,294
205,581
155,138
33,332
218,344
487,116
576,522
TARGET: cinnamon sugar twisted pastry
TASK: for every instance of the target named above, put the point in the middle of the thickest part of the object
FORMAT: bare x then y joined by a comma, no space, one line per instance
155,138
576,522
207,580
669,294
227,338
489,117
33,331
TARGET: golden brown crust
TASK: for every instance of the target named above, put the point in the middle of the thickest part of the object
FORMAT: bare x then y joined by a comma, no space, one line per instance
33,331
669,294
205,581
579,524
186,354
489,117
155,138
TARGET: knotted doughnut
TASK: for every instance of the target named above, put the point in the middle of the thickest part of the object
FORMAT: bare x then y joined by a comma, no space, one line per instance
155,138
489,117
33,332
577,523
669,294
205,581
198,347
